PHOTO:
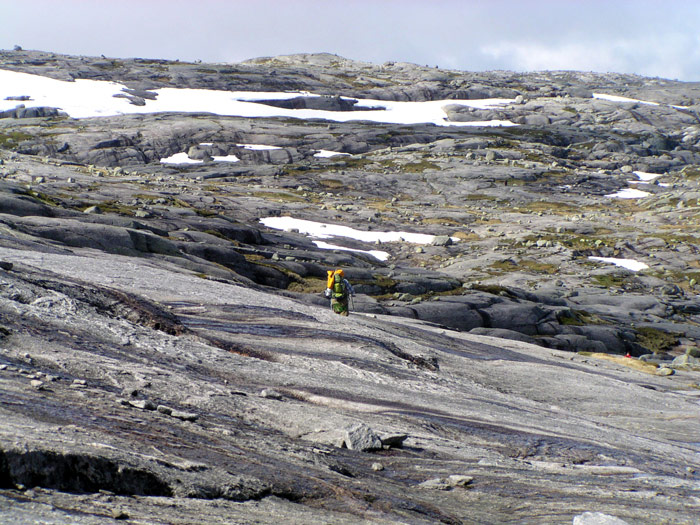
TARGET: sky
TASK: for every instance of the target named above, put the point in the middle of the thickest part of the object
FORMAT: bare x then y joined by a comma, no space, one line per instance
645,37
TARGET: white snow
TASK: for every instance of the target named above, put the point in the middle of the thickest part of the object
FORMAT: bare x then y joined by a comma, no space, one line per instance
617,98
183,158
646,177
225,158
324,231
180,158
326,154
629,193
94,98
630,264
378,254
260,147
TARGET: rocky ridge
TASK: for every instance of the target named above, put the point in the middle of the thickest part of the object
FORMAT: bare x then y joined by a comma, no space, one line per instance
144,305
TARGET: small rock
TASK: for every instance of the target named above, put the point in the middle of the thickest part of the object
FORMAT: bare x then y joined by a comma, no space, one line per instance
7,266
119,514
143,404
184,416
394,441
77,386
442,240
3,367
39,385
664,371
79,382
95,210
377,467
269,393
164,410
448,483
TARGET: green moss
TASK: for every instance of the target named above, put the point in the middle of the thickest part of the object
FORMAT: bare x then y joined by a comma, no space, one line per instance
656,340
570,110
110,65
493,289
578,318
509,265
279,196
480,197
113,206
44,198
419,167
308,285
558,208
12,139
610,280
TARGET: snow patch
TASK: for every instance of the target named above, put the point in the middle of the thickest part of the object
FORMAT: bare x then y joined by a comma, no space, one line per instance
630,264
321,230
629,193
377,254
258,147
95,98
617,98
326,154
180,158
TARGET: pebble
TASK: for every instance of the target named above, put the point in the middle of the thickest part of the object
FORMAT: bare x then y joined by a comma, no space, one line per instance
39,385
377,467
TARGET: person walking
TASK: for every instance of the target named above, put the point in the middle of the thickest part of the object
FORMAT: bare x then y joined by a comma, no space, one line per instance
339,291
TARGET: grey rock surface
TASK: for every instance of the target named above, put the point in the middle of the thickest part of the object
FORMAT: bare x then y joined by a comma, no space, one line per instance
171,359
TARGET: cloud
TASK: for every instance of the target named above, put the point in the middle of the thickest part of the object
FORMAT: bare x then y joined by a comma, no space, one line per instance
671,56
649,37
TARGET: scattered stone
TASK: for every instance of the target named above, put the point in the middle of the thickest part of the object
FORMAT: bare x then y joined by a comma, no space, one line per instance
143,404
448,483
164,410
93,210
7,266
377,467
664,371
39,385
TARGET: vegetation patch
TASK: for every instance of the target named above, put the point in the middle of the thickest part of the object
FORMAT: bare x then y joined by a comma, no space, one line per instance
12,139
636,364
560,208
280,196
419,167
610,280
656,340
579,318
531,265
308,285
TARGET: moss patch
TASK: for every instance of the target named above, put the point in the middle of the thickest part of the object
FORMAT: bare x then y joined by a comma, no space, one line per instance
656,340
12,139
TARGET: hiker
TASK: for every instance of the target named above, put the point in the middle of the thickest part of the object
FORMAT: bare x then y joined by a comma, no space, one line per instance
338,291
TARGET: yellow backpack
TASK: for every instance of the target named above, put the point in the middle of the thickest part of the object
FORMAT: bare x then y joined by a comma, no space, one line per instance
336,284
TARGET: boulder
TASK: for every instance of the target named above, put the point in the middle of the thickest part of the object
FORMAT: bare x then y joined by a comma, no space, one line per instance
361,437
